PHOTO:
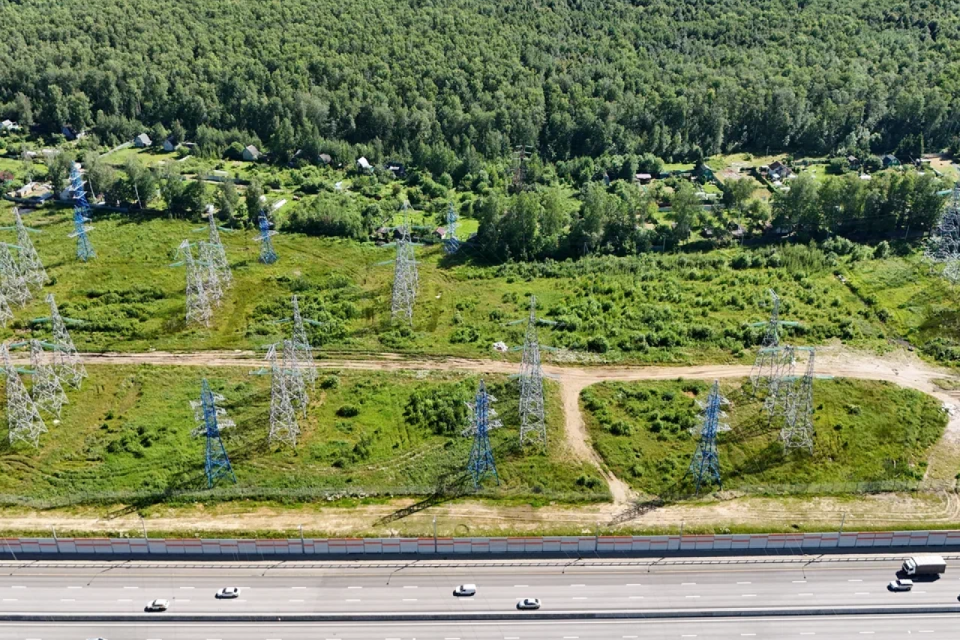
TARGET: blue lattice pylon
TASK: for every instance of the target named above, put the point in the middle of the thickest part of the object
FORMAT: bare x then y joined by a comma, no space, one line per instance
705,465
450,242
81,215
267,253
210,421
481,463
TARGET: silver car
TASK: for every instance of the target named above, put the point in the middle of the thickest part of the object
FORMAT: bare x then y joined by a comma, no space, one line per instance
529,603
157,605
900,584
228,592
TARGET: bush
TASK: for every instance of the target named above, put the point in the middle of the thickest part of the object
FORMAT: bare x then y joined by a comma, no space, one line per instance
348,411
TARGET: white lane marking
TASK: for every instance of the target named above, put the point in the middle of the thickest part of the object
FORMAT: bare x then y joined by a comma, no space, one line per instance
186,587
9,599
804,594
520,586
409,599
580,598
298,587
807,633
689,635
799,582
855,580
864,633
67,600
353,599
182,600
749,595
925,631
407,586
296,601
124,600
692,596
748,634
636,597
451,639
578,585
744,583
131,587
629,637
633,584
862,593
919,591
18,587
74,587
687,584
511,637
571,637
354,587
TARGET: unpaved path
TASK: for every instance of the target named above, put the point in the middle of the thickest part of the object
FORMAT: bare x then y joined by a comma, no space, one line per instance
901,368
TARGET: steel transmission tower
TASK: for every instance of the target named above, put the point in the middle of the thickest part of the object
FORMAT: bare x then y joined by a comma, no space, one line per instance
215,252
943,246
81,215
13,283
450,242
66,360
283,419
780,383
211,419
30,265
770,356
797,431
268,254
533,428
47,392
198,280
405,277
23,418
6,314
705,465
294,375
520,154
301,344
481,463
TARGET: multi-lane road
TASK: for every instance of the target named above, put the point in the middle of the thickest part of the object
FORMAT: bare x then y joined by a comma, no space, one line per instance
398,589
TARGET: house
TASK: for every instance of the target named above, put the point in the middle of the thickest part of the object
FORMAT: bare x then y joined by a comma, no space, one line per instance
440,232
68,133
703,172
364,165
168,145
397,169
49,153
890,160
251,153
9,125
853,161
325,158
642,178
34,193
142,141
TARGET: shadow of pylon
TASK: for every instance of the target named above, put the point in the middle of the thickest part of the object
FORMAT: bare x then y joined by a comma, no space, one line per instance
635,510
455,488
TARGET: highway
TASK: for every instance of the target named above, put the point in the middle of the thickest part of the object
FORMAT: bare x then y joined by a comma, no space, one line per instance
416,587
832,628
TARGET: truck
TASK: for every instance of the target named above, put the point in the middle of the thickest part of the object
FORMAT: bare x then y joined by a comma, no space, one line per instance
926,565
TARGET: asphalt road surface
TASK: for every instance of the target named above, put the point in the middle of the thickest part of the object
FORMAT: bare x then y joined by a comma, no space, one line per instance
411,587
832,628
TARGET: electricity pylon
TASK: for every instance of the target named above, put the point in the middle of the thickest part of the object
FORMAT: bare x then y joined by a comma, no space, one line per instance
797,431
520,154
450,242
211,419
705,465
780,383
6,314
215,252
23,418
199,309
283,418
481,463
81,215
533,427
13,283
66,360
405,276
268,254
943,246
770,355
46,391
30,264
301,342
293,372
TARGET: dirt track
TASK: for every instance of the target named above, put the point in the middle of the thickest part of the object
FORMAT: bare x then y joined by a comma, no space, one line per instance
901,368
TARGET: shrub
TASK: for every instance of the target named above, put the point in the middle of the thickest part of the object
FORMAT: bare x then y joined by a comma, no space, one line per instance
348,411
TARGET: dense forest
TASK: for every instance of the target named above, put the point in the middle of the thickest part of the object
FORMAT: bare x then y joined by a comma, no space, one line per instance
442,83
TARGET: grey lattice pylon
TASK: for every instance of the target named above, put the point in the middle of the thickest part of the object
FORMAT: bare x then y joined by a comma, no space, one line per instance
66,360
301,345
46,391
13,284
533,427
218,255
199,309
943,246
293,372
6,314
283,419
797,431
405,276
769,353
206,262
780,384
23,418
30,264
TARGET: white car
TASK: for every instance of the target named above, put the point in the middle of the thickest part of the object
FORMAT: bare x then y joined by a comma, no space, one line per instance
900,584
529,603
228,592
465,590
157,605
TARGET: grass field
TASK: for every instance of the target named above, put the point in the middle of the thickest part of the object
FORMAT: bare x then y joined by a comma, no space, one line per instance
129,430
865,432
648,308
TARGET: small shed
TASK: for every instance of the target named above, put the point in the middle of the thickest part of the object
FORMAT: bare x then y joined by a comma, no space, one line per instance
642,178
251,153
325,158
890,160
9,125
169,145
68,133
397,169
142,141
363,164
853,161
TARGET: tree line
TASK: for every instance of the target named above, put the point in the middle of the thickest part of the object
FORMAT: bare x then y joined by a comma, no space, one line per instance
441,83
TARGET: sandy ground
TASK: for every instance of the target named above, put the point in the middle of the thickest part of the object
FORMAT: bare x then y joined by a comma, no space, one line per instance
901,367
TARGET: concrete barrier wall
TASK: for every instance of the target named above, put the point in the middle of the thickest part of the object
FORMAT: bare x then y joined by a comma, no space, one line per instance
327,548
